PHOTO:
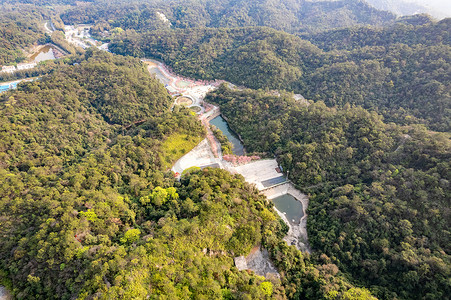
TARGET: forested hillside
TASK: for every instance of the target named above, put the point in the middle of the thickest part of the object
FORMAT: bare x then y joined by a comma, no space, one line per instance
291,16
88,210
19,29
380,193
272,58
401,71
427,33
404,79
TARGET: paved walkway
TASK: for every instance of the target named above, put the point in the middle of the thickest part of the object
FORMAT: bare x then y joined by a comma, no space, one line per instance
195,90
200,156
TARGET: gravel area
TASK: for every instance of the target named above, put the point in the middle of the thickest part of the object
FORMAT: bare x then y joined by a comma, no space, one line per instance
4,294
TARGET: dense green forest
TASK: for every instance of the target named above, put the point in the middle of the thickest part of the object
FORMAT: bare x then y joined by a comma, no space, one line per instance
87,209
380,193
90,210
401,71
291,16
408,81
19,29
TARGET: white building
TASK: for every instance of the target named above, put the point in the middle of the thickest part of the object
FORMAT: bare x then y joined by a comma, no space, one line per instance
26,66
8,69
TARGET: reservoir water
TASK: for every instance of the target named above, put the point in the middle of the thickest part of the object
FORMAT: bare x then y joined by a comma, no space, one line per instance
291,207
221,124
45,53
7,86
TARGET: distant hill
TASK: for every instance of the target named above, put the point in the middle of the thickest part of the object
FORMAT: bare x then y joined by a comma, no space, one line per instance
430,33
18,30
401,71
288,15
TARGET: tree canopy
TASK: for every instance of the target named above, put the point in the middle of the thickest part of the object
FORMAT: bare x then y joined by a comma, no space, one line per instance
391,71
379,193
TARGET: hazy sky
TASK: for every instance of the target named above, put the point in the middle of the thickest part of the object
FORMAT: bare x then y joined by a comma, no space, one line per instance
434,3
437,8
441,8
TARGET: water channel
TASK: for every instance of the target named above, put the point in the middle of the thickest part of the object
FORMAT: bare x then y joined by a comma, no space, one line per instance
221,124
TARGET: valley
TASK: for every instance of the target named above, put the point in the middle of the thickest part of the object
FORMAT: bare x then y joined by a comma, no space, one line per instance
223,150
261,173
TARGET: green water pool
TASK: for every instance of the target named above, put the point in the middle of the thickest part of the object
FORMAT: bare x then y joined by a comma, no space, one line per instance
290,207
